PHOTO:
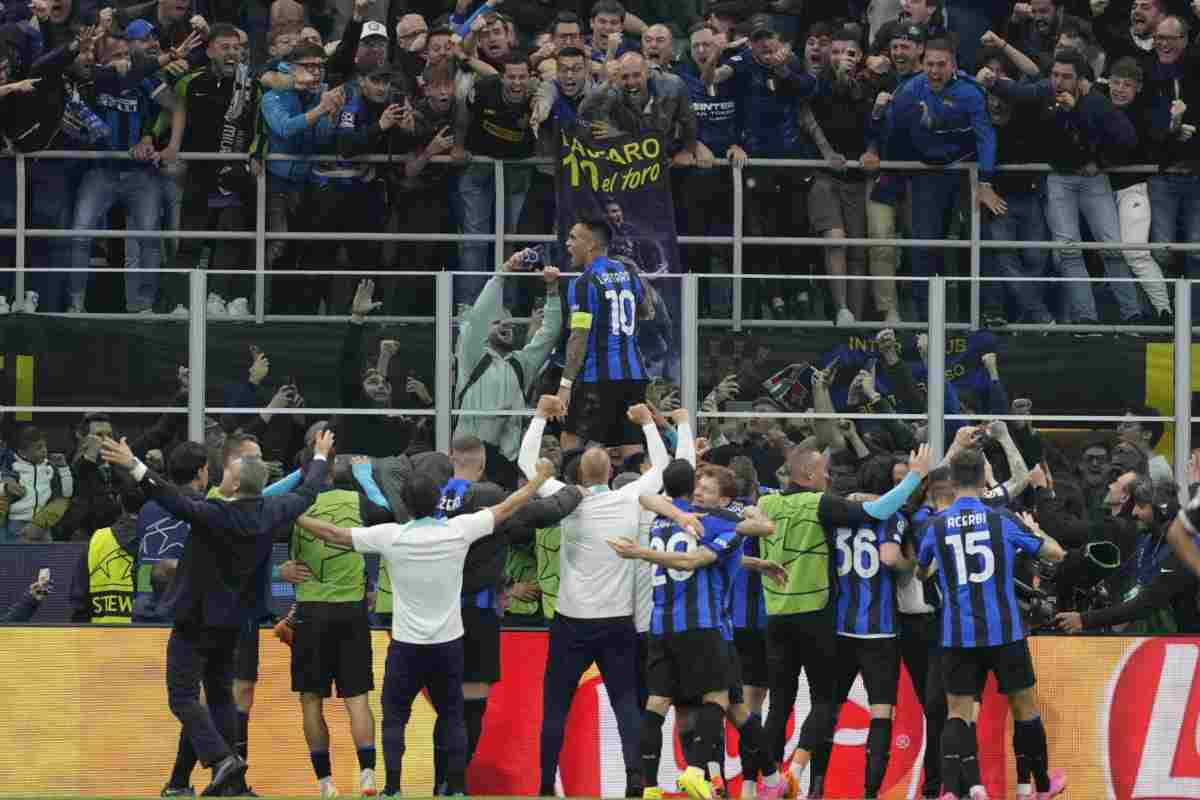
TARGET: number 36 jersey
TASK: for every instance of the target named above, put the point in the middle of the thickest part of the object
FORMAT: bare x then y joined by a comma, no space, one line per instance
604,300
975,548
866,598
689,600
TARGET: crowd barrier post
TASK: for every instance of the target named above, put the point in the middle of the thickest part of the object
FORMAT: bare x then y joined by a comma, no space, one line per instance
935,394
735,172
443,374
197,348
22,203
976,271
689,346
501,210
260,244
1182,376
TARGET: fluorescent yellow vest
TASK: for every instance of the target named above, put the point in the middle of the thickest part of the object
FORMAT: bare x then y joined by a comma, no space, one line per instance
110,578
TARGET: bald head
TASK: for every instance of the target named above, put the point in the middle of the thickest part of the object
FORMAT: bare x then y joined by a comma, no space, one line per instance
595,467
807,468
633,76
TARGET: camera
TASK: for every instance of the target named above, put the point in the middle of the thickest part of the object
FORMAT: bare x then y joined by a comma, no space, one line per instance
534,257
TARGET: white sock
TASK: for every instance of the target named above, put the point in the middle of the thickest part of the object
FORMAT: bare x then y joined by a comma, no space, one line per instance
771,780
749,790
714,770
796,770
1024,790
326,782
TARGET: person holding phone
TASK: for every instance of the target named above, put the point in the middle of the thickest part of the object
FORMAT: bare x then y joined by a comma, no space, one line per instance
24,609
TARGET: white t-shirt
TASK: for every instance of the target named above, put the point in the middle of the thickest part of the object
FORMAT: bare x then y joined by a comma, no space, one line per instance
425,561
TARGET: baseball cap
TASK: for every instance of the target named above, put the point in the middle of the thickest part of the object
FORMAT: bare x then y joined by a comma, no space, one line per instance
373,28
139,29
384,70
910,31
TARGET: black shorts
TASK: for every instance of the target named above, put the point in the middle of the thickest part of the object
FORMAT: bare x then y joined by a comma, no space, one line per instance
245,667
481,645
878,659
965,668
688,665
332,642
736,695
598,412
751,644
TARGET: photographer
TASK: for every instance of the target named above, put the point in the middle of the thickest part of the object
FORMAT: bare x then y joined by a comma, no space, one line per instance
1163,597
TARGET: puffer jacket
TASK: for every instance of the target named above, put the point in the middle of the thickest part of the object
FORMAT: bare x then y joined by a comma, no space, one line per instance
41,483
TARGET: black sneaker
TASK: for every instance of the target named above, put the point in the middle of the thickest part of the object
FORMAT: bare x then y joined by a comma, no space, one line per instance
177,791
227,773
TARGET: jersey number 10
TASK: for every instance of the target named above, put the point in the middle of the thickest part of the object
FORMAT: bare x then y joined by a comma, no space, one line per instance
622,311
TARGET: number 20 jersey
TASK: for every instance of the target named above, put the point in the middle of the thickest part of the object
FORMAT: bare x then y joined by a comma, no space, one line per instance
866,598
688,600
976,548
604,300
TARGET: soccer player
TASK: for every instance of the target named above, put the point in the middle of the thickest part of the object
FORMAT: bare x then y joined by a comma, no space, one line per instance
975,549
483,572
866,557
800,619
689,660
594,619
332,639
425,562
603,357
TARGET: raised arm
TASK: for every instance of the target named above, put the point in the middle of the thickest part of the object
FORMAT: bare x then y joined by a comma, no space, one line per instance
1018,469
502,511
685,445
531,445
170,498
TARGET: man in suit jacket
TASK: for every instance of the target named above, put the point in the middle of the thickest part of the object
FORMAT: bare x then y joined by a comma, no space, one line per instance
228,543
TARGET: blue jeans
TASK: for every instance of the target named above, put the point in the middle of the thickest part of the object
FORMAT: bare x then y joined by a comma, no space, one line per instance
1068,197
1175,215
1024,222
477,198
138,189
935,195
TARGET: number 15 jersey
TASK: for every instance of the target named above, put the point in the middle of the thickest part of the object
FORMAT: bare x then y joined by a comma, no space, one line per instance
976,548
604,300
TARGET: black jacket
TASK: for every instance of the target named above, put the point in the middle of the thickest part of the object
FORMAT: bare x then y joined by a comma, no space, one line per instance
1174,587
228,543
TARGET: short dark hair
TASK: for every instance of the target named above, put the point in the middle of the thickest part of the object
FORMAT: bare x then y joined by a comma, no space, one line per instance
565,18
679,478
1077,28
222,30
598,227
95,416
233,445
421,495
1073,58
465,444
1127,68
186,461
967,469
702,26
439,30
571,52
819,29
848,33
515,58
306,49
875,475
747,475
29,436
608,7
940,44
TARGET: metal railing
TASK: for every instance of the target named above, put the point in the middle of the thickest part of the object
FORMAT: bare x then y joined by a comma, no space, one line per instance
690,320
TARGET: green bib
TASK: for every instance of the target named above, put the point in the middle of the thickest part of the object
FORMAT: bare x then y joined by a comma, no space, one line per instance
521,567
799,544
548,540
338,575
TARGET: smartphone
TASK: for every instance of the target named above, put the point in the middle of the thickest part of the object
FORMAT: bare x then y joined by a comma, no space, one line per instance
44,575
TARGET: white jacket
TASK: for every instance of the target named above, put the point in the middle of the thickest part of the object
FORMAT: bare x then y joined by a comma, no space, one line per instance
40,487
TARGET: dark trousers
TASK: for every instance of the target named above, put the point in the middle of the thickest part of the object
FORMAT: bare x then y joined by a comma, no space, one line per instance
795,643
195,657
439,669
575,644
920,651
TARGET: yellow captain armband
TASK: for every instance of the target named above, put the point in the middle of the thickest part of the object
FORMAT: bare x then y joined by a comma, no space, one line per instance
581,320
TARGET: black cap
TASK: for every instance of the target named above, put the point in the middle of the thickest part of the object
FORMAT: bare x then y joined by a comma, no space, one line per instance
763,32
384,70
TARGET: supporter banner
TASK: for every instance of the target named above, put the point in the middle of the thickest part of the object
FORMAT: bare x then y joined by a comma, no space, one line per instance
1160,388
86,714
625,179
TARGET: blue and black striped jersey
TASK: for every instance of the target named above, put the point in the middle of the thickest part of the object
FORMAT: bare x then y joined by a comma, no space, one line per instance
747,608
976,548
604,300
454,494
686,600
866,598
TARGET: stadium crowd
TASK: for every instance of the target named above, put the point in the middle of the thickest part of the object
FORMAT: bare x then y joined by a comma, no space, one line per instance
911,81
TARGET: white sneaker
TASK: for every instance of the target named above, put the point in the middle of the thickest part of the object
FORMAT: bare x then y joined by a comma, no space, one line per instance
76,304
366,783
4,307
328,789
238,307
216,305
31,302
180,311
845,316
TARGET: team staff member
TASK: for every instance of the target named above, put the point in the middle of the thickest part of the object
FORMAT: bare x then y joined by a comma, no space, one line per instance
425,561
603,356
800,618
594,619
975,549
332,639
228,543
